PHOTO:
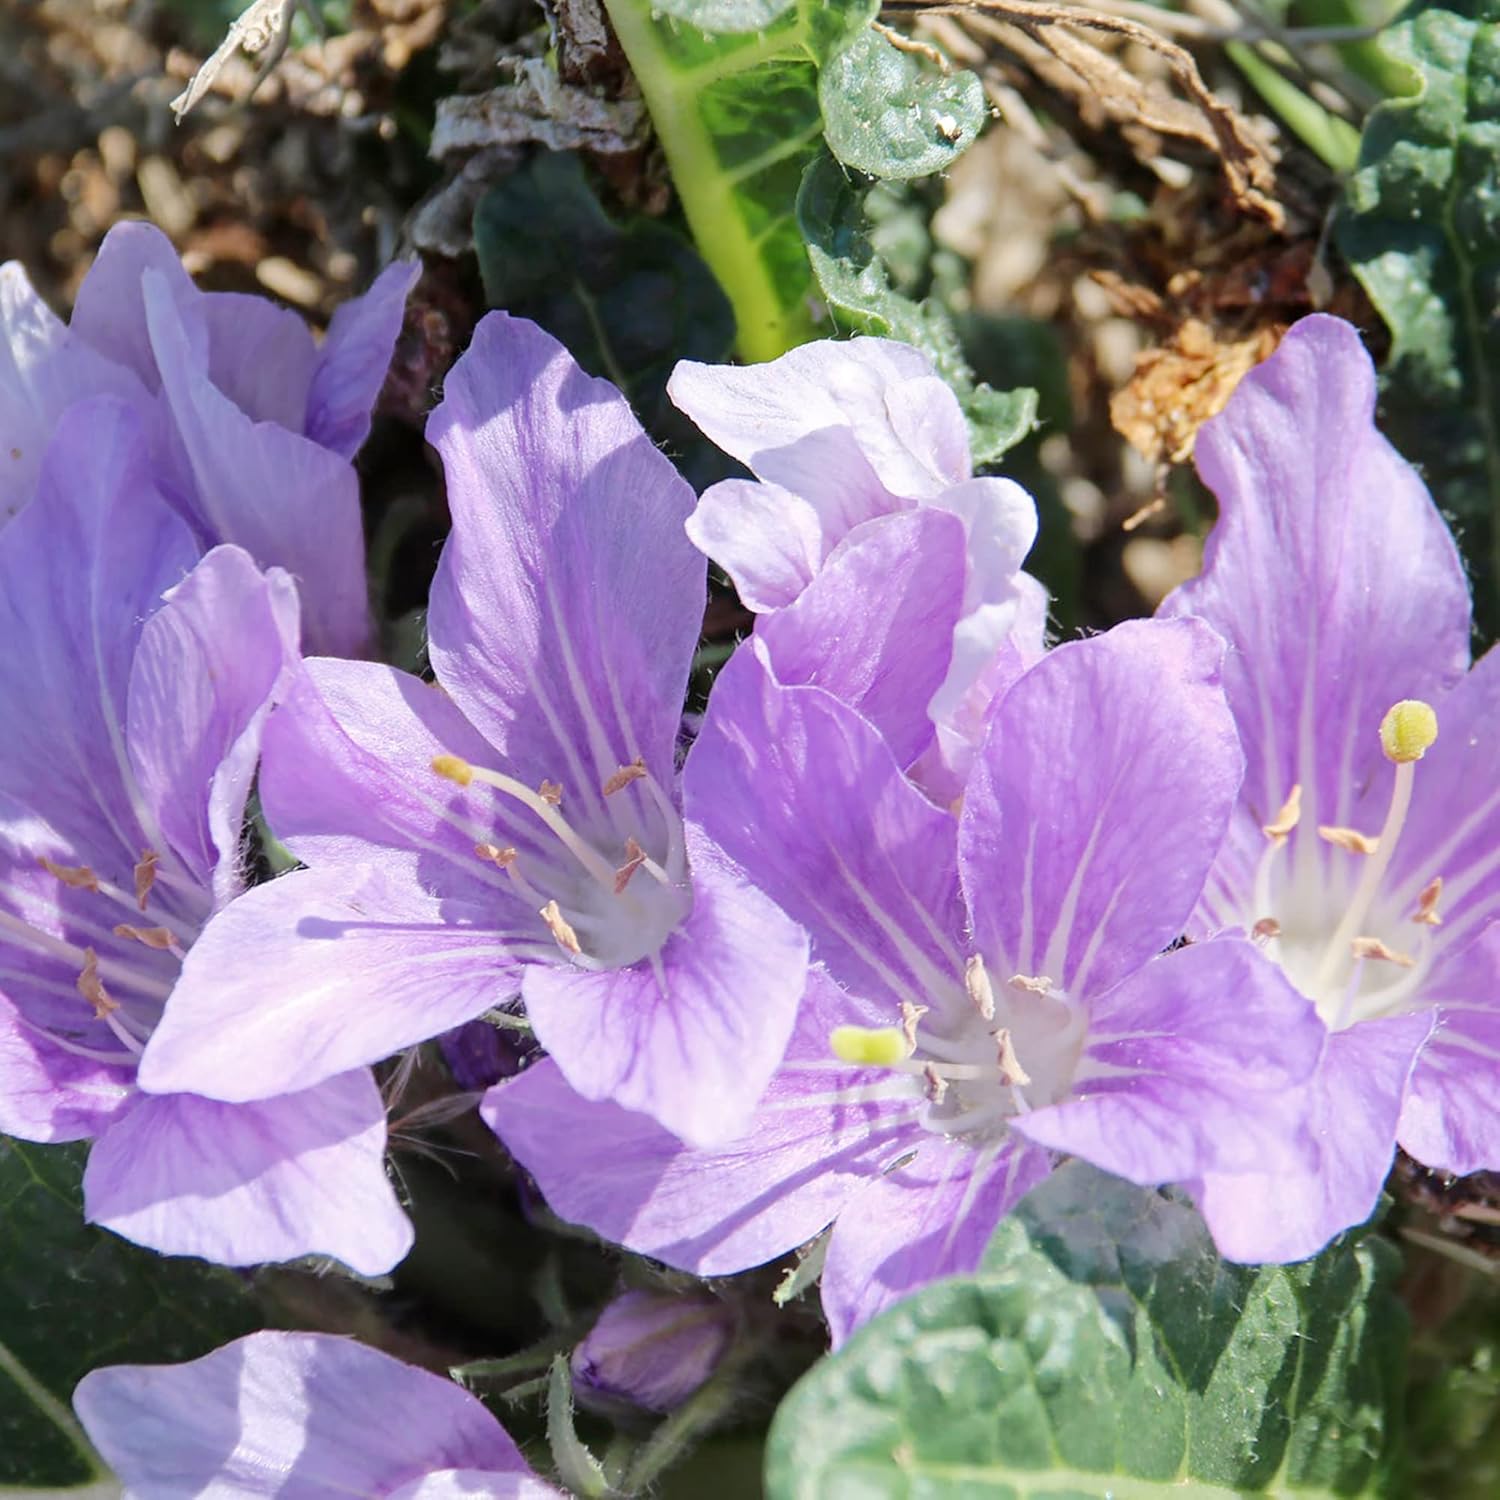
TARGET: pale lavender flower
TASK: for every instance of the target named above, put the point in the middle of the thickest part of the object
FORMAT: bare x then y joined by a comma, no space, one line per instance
652,1349
996,988
299,1416
552,854
252,424
845,439
1374,884
134,686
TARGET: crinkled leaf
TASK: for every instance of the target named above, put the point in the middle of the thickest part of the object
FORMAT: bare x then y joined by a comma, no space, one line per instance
1421,228
629,300
860,298
1103,1348
888,114
73,1298
725,15
731,86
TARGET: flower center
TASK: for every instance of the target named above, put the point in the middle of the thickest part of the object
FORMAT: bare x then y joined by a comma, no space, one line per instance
995,1055
123,970
608,891
1340,931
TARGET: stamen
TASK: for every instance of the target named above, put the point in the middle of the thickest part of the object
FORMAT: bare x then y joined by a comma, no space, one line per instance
1370,947
1408,730
1265,930
870,1046
1287,819
505,858
454,768
1406,733
624,776
145,876
543,803
75,877
153,937
635,857
1037,984
558,926
91,987
910,1015
937,1085
1427,912
1350,839
977,985
1011,1072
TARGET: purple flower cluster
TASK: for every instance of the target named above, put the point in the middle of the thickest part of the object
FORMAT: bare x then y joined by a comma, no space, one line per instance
1208,900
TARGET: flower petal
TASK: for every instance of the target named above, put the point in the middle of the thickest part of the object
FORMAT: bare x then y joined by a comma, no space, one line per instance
814,1140
931,1217
80,569
879,401
1453,828
886,663
353,360
42,373
292,1415
692,1037
1192,1065
275,493
240,1184
1330,573
48,1093
109,313
315,973
769,541
807,798
260,356
200,689
1354,1100
1448,1120
346,779
1097,803
568,600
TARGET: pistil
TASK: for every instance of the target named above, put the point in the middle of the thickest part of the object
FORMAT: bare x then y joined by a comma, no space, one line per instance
1406,733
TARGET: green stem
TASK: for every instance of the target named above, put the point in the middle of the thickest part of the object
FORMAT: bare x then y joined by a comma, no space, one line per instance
767,328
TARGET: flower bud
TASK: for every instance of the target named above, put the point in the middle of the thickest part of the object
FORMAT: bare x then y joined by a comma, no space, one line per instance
651,1350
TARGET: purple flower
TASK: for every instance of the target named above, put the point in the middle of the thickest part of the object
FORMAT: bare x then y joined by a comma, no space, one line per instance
651,1349
551,854
252,424
298,1416
848,440
1372,879
996,990
134,686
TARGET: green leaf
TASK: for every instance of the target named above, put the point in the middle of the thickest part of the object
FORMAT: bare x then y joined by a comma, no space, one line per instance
860,298
731,86
1421,228
1103,1348
629,300
73,1298
887,115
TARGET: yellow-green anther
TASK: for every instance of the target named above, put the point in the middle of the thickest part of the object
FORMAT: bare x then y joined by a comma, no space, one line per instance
1408,730
869,1046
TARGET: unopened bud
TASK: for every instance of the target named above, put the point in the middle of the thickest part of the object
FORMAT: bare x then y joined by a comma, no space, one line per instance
651,1350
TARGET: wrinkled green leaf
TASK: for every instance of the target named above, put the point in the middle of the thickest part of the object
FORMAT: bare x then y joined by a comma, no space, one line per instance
888,114
736,112
629,300
73,1298
860,298
1103,1348
1421,228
